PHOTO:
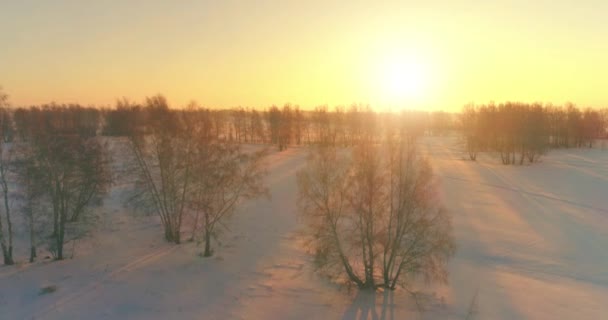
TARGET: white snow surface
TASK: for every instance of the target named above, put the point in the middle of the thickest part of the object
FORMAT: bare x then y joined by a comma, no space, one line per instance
532,244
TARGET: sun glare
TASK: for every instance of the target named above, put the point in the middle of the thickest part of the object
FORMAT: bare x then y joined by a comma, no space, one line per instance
402,81
405,80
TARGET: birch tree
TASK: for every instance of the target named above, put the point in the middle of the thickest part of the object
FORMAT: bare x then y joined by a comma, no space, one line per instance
373,215
163,164
223,174
6,223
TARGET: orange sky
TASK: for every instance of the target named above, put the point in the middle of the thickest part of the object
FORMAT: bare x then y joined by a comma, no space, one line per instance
390,54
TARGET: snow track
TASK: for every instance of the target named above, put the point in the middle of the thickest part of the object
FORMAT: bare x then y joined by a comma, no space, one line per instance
70,299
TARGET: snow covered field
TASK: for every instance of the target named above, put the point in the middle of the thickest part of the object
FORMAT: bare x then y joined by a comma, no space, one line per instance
532,244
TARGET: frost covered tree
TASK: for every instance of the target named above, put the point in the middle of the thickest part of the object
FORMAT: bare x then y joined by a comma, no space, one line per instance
73,172
162,149
223,175
186,170
373,215
67,166
519,131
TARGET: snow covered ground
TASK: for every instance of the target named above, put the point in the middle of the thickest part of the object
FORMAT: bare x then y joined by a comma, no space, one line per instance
532,244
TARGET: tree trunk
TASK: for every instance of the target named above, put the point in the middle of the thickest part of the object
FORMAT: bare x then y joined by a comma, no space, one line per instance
168,233
30,216
208,251
61,236
172,233
32,253
10,254
176,235
9,225
6,249
59,248
8,259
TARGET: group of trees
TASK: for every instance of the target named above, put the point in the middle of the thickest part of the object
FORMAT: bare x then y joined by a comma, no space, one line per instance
374,215
521,131
372,209
53,168
185,172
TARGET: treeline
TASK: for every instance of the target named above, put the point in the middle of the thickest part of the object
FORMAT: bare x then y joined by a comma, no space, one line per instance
288,125
522,132
281,126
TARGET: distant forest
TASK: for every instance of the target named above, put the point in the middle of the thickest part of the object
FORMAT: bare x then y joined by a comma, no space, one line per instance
506,128
518,131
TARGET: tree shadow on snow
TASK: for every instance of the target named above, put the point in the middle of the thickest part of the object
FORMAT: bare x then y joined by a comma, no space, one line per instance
364,306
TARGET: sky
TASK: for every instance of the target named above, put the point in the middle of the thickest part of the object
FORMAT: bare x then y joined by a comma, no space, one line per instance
436,55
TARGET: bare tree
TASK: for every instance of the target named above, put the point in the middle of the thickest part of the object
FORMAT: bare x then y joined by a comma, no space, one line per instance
256,127
280,125
239,124
162,153
186,170
274,126
299,124
374,220
119,121
322,125
31,195
6,236
72,170
470,128
32,211
66,165
593,126
223,175
417,232
322,202
286,127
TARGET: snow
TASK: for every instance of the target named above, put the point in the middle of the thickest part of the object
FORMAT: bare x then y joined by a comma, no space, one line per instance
530,238
531,242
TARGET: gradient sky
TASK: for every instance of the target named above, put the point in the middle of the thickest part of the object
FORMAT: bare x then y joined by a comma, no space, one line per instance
228,53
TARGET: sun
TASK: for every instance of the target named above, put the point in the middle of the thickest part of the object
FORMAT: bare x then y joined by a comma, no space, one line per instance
405,80
402,81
